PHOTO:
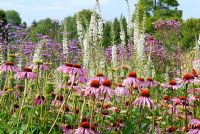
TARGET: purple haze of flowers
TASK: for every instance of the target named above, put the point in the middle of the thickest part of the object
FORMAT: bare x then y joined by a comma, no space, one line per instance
155,48
167,25
123,52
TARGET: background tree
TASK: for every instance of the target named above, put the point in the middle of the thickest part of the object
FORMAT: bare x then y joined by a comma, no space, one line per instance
107,34
71,27
47,26
13,17
4,35
159,9
190,30
116,27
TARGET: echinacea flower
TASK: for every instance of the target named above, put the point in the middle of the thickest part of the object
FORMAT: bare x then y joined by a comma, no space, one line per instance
194,122
173,109
78,74
156,129
194,91
15,108
150,82
172,85
100,77
121,90
2,93
93,88
57,102
39,100
25,74
67,129
195,126
117,125
66,68
141,82
42,67
9,67
144,99
84,129
187,78
105,88
194,73
78,70
167,99
132,80
171,129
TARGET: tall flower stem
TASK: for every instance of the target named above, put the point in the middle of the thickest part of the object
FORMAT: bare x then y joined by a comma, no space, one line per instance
82,109
186,116
92,110
24,98
61,108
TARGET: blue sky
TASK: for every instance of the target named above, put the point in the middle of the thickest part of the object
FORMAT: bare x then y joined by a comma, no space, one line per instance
58,9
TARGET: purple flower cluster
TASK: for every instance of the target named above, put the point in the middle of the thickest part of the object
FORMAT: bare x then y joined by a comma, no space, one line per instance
167,25
123,52
155,48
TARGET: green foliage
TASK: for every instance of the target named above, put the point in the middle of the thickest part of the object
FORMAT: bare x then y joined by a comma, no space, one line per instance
162,9
85,16
124,22
116,28
46,27
13,17
107,34
71,27
189,32
3,16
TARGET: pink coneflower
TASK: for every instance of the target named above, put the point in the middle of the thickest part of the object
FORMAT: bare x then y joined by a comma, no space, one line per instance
167,99
15,108
78,74
57,102
42,67
93,88
100,77
194,122
67,129
105,88
150,82
9,67
173,109
117,125
172,85
67,68
171,129
182,99
156,129
2,93
75,87
187,78
84,129
195,126
194,73
141,82
78,70
121,90
16,93
39,100
194,91
26,74
132,80
78,79
144,99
